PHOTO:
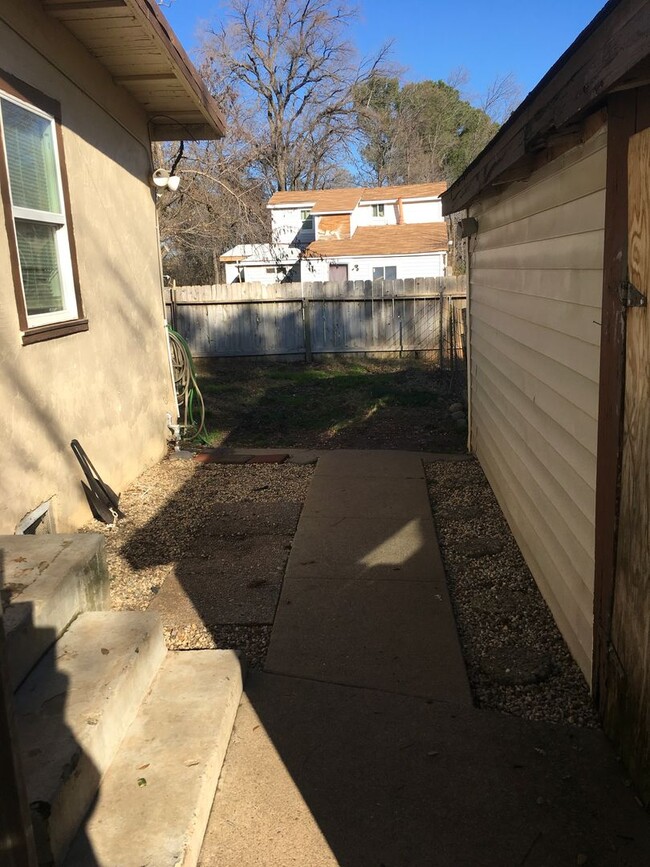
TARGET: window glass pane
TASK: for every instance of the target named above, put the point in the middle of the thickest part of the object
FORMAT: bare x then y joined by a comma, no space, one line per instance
30,157
39,266
391,272
377,273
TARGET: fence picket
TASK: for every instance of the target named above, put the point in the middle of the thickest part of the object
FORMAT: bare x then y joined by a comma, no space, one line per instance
252,319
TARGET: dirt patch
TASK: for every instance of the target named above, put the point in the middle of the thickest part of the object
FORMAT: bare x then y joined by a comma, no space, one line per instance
392,403
206,546
517,660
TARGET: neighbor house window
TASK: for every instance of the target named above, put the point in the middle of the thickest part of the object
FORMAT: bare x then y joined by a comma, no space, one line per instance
387,273
378,210
307,220
37,218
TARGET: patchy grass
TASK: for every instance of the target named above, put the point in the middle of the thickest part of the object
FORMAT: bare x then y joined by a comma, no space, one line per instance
334,404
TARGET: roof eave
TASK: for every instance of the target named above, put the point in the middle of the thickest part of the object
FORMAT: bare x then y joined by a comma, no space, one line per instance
200,118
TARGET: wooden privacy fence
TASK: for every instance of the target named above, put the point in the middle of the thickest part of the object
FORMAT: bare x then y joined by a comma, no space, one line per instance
423,315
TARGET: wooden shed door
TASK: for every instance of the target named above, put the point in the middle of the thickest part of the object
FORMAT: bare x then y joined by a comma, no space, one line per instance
627,715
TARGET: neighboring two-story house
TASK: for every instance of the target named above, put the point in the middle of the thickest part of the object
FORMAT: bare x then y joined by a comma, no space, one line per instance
354,233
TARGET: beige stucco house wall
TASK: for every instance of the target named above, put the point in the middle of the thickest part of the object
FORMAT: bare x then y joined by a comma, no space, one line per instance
110,386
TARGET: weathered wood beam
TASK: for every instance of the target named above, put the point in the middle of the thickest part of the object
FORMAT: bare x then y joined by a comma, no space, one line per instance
170,131
553,147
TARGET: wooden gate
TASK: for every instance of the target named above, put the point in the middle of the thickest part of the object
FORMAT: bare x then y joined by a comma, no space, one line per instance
627,700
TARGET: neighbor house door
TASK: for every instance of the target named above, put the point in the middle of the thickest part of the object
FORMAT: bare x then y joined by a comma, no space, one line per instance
627,700
338,273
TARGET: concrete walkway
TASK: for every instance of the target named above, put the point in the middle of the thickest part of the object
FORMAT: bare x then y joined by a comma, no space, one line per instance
359,745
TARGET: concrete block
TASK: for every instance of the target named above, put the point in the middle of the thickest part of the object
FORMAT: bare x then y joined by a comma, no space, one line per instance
382,464
395,636
391,548
73,711
344,497
154,802
48,581
227,580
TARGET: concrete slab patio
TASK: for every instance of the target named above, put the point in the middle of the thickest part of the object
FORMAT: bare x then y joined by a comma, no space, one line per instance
368,606
319,774
358,745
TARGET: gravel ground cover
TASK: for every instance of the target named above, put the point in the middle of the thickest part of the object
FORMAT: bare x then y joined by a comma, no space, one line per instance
180,512
516,658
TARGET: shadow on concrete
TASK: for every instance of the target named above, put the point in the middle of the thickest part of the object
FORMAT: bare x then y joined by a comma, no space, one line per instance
28,764
400,781
325,773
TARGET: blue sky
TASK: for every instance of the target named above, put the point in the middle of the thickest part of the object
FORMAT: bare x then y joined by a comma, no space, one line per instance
431,37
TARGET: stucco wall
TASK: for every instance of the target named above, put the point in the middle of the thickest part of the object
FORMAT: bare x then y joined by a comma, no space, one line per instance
535,311
108,387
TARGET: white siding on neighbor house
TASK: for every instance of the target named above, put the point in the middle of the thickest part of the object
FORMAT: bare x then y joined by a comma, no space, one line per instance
265,274
286,226
535,311
423,212
364,217
232,271
360,267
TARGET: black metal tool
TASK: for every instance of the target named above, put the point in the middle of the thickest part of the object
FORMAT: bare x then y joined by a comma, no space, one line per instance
103,501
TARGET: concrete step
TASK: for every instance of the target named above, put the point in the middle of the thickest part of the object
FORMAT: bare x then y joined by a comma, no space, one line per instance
48,580
73,711
154,803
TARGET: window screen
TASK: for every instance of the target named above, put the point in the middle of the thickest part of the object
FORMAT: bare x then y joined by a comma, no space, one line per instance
39,219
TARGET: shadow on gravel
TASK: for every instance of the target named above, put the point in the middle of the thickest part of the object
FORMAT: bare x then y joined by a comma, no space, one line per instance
226,562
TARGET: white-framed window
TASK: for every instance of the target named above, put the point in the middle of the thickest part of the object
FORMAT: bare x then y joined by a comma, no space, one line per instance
378,210
388,272
35,198
307,221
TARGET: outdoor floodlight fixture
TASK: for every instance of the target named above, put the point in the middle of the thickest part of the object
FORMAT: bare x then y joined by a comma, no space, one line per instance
164,180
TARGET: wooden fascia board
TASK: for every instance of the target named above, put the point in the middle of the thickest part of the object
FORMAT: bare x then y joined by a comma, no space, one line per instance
172,131
616,41
148,12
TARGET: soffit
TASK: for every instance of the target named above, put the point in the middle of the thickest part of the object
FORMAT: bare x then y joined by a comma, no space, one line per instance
134,42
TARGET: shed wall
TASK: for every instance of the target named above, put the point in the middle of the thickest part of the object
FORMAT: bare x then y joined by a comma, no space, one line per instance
535,301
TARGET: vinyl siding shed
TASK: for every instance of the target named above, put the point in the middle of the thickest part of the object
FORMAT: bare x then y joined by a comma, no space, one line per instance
536,283
555,216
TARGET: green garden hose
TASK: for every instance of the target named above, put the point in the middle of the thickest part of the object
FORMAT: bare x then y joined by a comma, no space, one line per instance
188,393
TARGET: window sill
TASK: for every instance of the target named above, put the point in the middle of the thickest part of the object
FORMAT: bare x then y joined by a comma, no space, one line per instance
56,329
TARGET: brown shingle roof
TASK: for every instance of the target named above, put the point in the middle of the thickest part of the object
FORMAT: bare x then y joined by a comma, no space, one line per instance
322,201
347,198
385,241
406,191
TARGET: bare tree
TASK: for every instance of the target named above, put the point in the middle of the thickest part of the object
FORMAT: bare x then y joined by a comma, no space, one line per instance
291,66
501,98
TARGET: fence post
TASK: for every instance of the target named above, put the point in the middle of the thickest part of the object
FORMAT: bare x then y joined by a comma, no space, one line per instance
441,336
306,324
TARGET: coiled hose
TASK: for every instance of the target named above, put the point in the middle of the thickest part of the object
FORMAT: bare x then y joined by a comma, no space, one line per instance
188,393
